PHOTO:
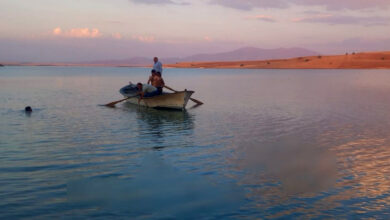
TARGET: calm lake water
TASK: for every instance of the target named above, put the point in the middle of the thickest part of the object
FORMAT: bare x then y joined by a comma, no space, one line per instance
266,144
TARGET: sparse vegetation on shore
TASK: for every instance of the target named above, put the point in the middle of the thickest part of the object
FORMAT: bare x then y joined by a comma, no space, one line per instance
367,60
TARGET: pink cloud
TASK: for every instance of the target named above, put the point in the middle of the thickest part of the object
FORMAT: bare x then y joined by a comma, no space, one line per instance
77,33
57,31
84,33
116,36
145,39
208,39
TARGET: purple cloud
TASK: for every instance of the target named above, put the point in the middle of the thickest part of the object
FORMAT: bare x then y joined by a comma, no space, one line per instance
250,4
158,2
333,20
262,18
345,4
329,4
266,19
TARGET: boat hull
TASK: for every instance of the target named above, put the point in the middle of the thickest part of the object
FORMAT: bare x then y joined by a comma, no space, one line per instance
177,100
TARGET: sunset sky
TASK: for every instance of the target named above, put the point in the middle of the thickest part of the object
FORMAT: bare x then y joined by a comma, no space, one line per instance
82,30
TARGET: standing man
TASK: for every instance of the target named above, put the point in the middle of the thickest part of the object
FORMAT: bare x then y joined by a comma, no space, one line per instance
157,65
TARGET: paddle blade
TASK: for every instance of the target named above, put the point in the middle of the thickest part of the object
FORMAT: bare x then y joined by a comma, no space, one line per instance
196,101
112,104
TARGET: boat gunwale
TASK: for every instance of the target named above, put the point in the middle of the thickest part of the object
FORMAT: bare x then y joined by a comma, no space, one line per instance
164,94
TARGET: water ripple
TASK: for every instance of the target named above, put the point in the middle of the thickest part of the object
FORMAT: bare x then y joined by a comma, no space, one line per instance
266,144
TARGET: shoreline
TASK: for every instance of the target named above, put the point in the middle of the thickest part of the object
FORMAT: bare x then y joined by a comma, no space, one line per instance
363,60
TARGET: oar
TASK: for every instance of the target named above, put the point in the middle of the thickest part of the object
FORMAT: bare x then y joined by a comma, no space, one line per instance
112,104
194,100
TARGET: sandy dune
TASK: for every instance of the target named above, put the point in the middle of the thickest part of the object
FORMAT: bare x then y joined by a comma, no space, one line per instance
367,60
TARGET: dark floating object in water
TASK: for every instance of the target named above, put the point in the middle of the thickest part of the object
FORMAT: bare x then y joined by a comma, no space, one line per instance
28,109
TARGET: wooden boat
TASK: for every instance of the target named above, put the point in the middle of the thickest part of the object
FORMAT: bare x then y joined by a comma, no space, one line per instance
177,100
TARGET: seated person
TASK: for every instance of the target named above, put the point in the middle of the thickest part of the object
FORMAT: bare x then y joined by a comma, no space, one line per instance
146,90
151,77
158,82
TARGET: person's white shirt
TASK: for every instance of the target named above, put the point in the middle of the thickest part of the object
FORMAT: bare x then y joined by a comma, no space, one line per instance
146,88
158,66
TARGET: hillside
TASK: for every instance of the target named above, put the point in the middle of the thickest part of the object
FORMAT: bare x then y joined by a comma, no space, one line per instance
246,53
366,60
251,53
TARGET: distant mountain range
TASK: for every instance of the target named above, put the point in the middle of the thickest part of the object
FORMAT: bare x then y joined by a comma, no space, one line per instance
242,54
252,53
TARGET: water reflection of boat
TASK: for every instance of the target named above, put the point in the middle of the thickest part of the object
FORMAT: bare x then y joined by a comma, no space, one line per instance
165,117
163,127
177,100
